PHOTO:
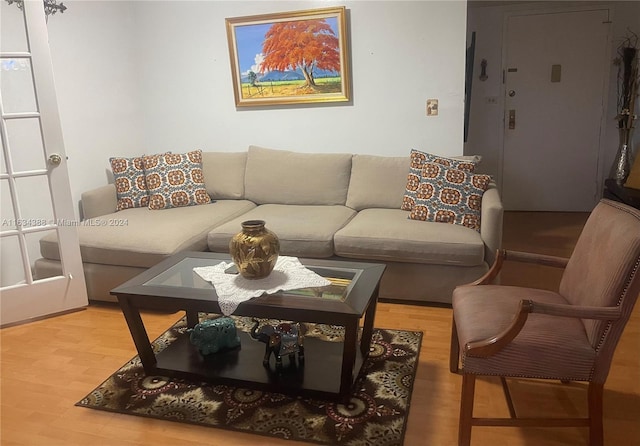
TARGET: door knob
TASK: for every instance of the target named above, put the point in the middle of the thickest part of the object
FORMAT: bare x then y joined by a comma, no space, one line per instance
512,93
55,159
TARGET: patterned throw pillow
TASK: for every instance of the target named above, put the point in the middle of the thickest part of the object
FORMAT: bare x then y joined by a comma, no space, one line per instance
131,186
417,160
449,196
175,180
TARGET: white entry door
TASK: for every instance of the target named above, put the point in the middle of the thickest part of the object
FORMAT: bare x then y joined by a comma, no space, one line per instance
34,185
555,68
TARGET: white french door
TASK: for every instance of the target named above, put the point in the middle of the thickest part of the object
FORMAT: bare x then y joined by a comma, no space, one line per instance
34,185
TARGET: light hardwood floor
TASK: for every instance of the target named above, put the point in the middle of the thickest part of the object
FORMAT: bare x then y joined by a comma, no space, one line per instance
47,366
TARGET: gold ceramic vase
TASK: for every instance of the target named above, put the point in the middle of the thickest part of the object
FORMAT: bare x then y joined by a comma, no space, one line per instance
254,250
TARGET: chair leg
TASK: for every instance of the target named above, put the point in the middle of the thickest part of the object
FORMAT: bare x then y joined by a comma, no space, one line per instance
596,432
454,351
466,409
507,397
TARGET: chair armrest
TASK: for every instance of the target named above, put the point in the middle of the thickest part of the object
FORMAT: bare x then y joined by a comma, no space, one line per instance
491,219
493,272
492,345
100,201
539,259
580,312
524,257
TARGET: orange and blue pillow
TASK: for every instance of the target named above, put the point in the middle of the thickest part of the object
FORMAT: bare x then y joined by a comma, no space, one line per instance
448,195
130,182
175,180
417,160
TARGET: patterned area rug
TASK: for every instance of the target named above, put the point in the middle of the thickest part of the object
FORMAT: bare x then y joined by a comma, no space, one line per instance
376,415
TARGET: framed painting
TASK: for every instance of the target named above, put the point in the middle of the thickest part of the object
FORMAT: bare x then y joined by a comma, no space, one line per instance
289,58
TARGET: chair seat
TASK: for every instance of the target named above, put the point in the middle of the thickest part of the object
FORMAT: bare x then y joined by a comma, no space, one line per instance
548,347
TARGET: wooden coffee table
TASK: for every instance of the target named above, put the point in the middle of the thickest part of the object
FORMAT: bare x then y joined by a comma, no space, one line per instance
330,368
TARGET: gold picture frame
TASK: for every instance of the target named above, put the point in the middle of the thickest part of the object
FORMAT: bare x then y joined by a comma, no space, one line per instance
270,67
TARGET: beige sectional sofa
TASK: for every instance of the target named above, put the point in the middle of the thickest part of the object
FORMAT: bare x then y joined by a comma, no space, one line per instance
320,205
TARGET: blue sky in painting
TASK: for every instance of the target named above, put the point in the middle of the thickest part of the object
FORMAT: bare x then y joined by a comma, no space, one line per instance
249,40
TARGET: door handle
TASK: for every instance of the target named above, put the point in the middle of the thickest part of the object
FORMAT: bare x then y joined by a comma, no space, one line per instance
55,159
512,119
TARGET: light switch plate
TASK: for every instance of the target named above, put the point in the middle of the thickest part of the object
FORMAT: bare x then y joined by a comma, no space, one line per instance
432,107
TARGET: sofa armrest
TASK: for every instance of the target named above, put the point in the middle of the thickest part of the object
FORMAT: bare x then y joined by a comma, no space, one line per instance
491,222
99,201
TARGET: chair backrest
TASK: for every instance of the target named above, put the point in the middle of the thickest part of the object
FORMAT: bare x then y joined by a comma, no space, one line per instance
604,270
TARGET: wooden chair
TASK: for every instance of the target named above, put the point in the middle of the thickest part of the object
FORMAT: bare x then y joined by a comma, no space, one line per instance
568,335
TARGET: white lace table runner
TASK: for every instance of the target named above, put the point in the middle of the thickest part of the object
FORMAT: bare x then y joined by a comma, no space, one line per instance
233,289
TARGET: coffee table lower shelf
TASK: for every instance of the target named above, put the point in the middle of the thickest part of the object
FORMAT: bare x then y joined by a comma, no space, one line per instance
317,377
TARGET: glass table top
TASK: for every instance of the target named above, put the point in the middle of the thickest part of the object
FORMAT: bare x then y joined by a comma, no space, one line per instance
181,275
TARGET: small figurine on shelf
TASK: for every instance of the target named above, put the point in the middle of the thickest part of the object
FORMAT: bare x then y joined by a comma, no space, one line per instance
283,339
214,335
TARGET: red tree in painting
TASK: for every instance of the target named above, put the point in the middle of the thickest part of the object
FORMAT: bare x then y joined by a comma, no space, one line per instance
307,44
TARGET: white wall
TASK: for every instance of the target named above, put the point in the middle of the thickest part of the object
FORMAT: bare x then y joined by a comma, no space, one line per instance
140,77
486,126
94,66
397,63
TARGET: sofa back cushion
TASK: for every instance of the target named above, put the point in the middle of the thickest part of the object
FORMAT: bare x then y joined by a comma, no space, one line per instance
283,177
224,174
377,181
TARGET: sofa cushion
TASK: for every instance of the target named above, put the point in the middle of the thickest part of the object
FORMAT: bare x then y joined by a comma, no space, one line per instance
304,231
449,196
142,237
224,174
377,181
417,161
283,177
175,180
129,179
99,201
387,234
